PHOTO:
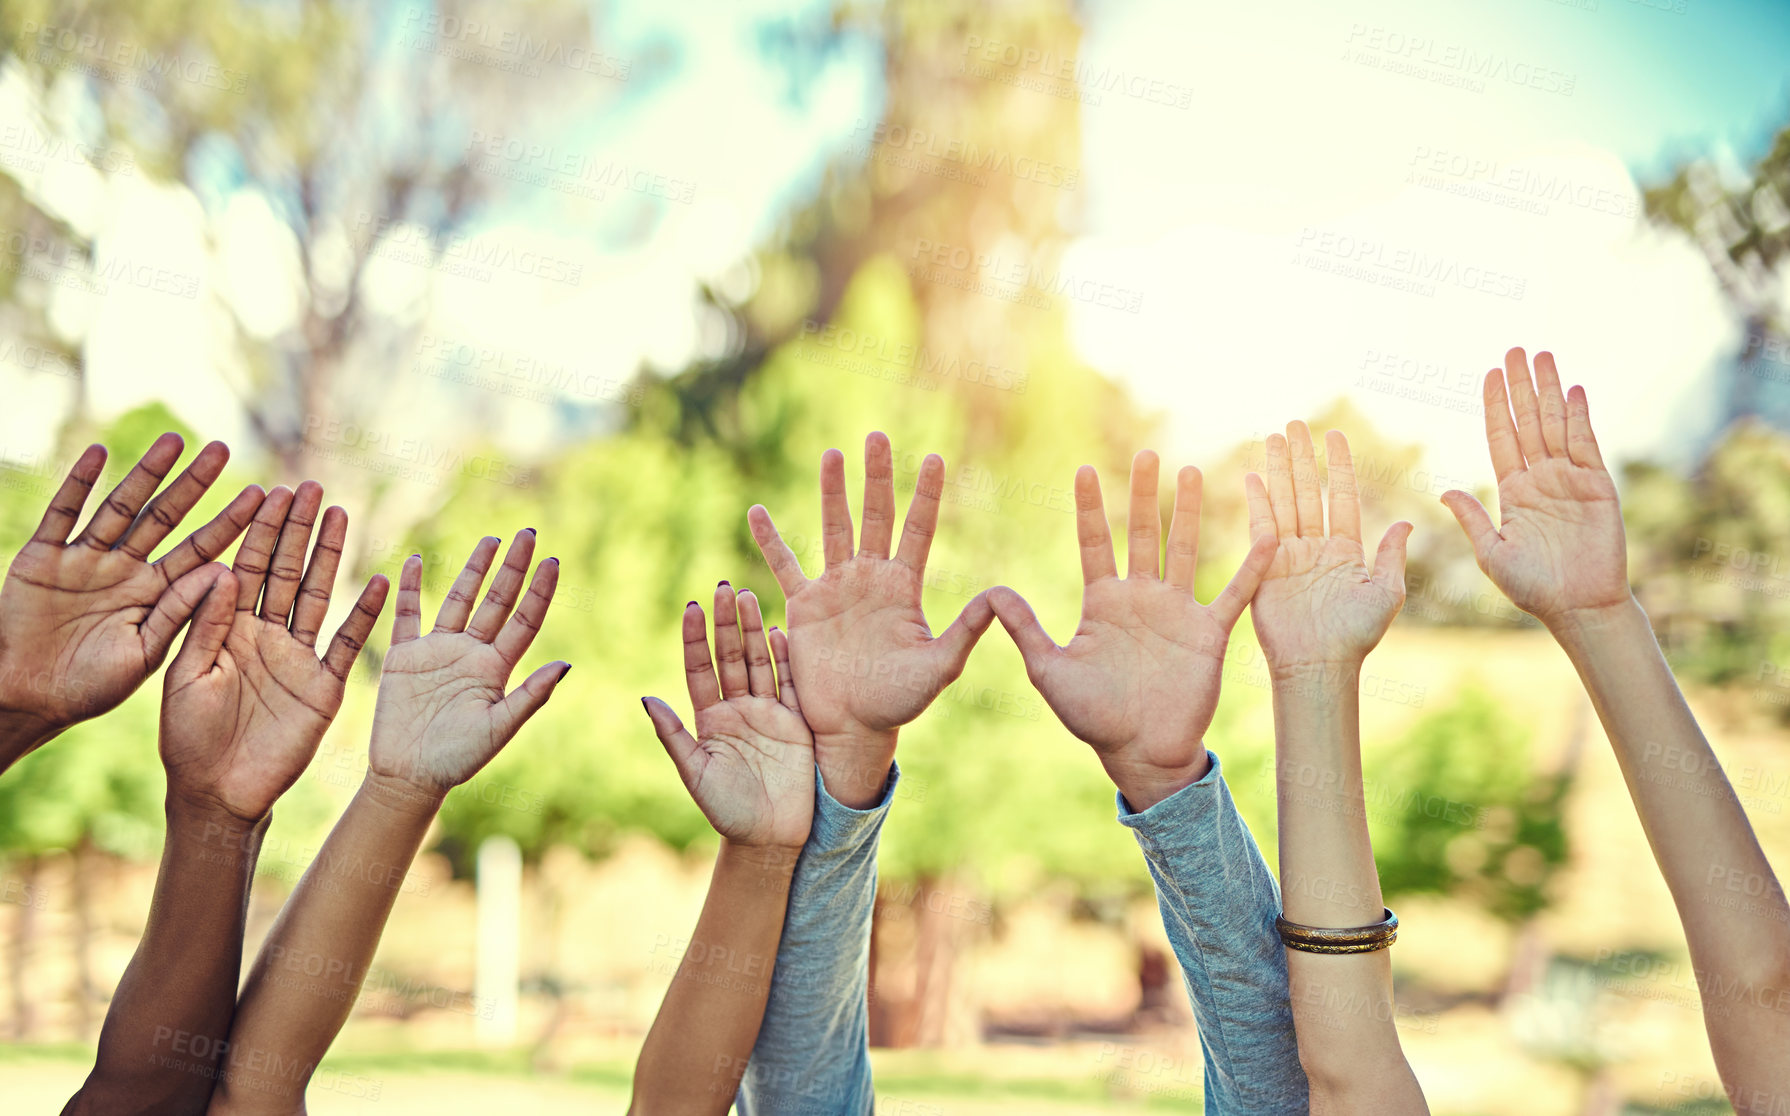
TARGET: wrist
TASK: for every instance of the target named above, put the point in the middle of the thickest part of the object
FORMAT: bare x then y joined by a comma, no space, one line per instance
400,796
1144,785
22,731
1321,677
222,836
770,865
1576,626
854,766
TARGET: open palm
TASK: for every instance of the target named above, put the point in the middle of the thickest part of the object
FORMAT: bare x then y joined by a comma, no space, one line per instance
83,623
750,765
859,644
1139,680
247,700
442,712
1560,547
1319,604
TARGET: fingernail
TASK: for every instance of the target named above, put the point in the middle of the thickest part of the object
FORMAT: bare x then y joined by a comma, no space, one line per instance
692,604
529,530
642,702
567,669
555,561
723,585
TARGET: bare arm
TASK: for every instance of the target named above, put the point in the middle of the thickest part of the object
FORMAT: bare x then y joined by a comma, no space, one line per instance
441,716
245,704
1560,555
750,767
1318,612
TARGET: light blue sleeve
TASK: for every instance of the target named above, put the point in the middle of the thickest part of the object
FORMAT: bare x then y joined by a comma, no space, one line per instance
1218,903
812,1057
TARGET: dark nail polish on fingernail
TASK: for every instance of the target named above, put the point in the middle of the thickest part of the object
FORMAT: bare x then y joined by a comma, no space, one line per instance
529,530
642,701
692,604
567,669
726,584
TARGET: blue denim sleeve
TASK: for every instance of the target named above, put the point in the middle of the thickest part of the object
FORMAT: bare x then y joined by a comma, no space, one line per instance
812,1057
1218,903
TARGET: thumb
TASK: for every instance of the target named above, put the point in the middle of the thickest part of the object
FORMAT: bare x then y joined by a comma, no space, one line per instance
1389,560
208,596
954,643
679,744
1475,522
525,700
1035,647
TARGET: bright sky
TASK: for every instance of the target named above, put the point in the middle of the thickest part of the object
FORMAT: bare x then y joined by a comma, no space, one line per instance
1332,213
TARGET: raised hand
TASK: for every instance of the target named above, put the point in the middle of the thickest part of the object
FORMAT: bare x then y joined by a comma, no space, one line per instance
1139,680
750,766
83,623
442,712
859,646
1559,550
247,699
1318,605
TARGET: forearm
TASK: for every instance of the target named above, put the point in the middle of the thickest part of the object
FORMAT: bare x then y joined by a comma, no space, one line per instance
1342,1004
812,1054
165,1031
697,1049
1733,908
1218,902
305,980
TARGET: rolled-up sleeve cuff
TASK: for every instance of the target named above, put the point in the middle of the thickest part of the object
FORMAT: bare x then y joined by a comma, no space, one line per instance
836,824
1179,822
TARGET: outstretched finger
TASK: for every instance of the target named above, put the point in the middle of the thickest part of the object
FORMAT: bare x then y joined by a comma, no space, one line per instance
1229,604
786,679
505,587
761,677
255,554
922,514
1280,488
1552,404
205,544
1500,430
65,507
835,510
699,669
1143,534
1184,530
1524,404
287,566
1345,497
1261,509
1091,530
1581,443
120,508
878,529
457,608
345,648
525,623
171,505
1308,498
320,579
730,646
407,624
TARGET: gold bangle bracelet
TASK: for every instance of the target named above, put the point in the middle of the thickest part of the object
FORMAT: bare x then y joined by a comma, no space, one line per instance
1323,939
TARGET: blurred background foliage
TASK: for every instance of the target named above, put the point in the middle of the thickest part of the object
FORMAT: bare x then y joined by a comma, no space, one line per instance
644,505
